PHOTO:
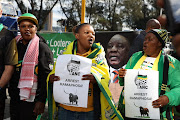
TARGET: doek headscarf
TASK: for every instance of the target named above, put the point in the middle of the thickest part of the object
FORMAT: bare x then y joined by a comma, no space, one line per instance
161,34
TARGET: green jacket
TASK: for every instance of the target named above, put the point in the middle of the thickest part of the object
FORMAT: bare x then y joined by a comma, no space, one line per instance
173,89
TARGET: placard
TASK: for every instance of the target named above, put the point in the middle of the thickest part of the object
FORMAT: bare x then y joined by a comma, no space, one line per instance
141,88
71,90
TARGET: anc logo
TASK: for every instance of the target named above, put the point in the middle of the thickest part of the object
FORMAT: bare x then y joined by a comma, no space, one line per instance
109,113
36,70
141,81
73,67
99,58
19,65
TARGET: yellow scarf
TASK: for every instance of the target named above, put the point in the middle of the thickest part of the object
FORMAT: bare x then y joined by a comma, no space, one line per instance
141,60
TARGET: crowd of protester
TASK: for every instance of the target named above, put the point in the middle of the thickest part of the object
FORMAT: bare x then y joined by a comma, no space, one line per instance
25,62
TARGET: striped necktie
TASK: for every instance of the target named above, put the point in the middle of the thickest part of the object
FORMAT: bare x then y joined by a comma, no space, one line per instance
115,79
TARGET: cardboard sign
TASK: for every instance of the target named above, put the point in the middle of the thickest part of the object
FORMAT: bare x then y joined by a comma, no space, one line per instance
71,90
141,88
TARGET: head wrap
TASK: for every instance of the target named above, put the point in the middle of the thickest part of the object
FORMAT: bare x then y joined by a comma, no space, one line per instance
161,34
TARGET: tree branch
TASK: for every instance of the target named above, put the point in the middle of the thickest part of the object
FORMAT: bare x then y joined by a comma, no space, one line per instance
63,9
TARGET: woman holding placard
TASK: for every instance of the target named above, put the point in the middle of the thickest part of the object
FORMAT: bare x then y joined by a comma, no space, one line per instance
154,58
99,100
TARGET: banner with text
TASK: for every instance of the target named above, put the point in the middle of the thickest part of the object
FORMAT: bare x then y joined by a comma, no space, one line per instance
141,88
71,90
58,41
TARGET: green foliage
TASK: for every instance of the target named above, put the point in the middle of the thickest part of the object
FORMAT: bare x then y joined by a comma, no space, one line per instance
138,12
102,14
110,14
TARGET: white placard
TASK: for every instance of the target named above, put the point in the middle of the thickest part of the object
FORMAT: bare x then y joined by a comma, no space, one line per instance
71,90
141,88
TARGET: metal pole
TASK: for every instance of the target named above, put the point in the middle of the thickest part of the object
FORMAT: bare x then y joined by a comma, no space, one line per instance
27,10
65,29
83,9
161,10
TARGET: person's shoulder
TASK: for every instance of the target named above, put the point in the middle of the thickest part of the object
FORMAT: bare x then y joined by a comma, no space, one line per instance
138,53
7,33
136,56
173,62
142,34
42,42
98,45
6,37
140,38
172,59
43,45
68,48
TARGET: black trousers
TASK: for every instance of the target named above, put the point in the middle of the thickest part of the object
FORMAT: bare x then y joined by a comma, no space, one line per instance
22,110
2,102
2,107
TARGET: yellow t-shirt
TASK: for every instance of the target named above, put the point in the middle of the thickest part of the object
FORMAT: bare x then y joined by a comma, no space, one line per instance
90,95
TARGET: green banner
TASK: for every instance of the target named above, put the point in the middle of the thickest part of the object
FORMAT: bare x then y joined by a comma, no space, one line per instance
57,41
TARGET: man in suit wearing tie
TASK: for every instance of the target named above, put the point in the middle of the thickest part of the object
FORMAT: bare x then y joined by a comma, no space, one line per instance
117,55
